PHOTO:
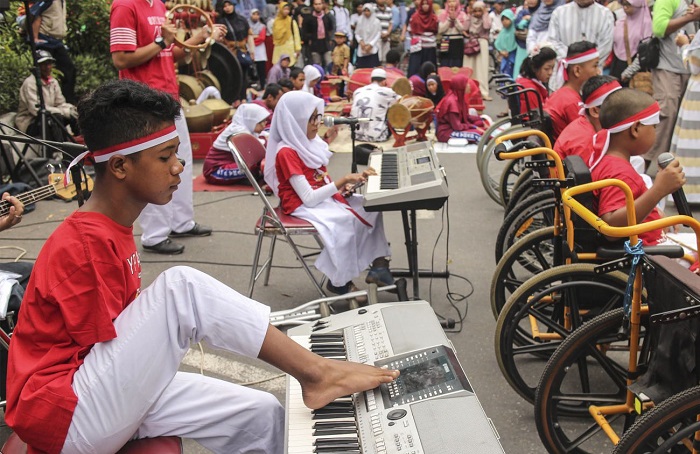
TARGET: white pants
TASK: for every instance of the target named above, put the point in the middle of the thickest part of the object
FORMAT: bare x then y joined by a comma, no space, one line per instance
157,221
130,387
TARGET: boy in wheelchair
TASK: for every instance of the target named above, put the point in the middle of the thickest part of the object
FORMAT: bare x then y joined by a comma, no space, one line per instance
629,118
94,358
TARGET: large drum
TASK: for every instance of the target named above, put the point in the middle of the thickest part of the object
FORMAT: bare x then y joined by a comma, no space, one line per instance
410,111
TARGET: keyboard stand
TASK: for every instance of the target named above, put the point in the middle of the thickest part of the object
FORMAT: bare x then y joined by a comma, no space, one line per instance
410,231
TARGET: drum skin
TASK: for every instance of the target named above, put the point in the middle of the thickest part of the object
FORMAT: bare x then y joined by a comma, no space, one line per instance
418,111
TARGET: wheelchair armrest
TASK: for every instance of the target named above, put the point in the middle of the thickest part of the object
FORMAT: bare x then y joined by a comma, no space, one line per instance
671,251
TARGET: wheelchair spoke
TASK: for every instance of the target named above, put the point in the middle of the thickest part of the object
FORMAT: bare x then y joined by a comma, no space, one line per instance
592,430
545,347
587,399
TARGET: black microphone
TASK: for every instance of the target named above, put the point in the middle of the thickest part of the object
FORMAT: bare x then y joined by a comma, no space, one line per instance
679,199
331,121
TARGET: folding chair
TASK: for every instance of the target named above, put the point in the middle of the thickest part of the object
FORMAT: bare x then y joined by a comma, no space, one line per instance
248,152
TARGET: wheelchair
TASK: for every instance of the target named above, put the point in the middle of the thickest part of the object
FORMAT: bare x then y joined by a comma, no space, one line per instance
616,366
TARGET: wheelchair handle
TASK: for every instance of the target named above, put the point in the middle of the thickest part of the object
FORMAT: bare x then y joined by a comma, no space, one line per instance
527,133
501,148
551,154
633,229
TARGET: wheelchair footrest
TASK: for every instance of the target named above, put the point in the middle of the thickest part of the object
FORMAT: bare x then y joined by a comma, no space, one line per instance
615,265
540,164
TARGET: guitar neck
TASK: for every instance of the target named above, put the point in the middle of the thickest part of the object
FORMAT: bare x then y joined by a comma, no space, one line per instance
26,198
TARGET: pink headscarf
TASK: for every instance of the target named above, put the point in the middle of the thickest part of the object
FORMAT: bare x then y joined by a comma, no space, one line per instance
460,15
638,28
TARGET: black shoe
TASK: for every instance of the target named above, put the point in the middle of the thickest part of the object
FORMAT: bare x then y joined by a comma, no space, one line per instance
167,246
347,288
197,230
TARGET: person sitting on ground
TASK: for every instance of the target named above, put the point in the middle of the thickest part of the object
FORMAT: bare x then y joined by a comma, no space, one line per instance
434,89
60,112
393,58
295,169
535,73
453,118
219,166
286,85
580,64
269,99
418,80
312,78
94,357
373,101
577,137
279,70
298,78
629,118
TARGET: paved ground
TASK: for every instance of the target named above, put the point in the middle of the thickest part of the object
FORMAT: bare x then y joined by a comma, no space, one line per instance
466,248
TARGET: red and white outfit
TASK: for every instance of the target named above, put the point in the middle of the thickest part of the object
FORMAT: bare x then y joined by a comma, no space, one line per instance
135,24
94,360
533,102
576,139
295,169
563,107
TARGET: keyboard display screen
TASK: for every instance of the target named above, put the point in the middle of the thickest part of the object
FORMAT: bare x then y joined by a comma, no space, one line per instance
425,375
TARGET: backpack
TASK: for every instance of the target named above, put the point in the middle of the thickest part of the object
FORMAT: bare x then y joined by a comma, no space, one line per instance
649,51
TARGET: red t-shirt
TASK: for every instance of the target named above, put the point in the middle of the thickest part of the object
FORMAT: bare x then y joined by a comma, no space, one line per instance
530,96
612,198
137,23
563,108
86,274
287,164
576,139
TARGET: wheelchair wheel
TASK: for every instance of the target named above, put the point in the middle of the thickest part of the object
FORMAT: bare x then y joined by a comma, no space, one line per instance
588,368
545,302
491,133
491,169
529,256
533,213
667,428
510,178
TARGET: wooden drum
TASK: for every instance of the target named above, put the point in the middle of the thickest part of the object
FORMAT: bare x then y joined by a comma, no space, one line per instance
410,111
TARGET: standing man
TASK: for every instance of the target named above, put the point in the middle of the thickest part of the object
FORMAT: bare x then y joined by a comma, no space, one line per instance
670,77
49,30
386,19
317,33
141,42
580,20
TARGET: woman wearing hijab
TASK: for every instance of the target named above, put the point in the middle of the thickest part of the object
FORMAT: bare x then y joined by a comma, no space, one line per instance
424,28
219,166
505,43
539,22
629,31
239,39
296,172
453,119
285,35
452,22
685,144
479,27
522,26
418,80
313,77
367,34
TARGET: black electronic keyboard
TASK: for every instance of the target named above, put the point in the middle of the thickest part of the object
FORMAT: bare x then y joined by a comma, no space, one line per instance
430,409
408,178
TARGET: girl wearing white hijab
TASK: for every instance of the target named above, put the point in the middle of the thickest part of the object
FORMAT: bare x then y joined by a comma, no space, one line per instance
313,75
367,33
219,165
295,169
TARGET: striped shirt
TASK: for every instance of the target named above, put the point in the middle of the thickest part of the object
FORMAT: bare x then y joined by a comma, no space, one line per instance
571,24
385,17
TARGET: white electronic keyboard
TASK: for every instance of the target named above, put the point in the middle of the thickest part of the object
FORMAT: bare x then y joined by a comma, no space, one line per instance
408,178
430,409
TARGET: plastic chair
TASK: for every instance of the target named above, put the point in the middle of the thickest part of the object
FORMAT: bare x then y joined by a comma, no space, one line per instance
248,153
160,445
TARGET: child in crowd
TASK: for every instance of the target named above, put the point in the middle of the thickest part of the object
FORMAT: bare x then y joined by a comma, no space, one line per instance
418,80
312,76
505,42
453,119
287,85
295,169
94,358
535,73
219,166
577,137
279,70
434,89
298,78
629,118
259,34
580,64
340,55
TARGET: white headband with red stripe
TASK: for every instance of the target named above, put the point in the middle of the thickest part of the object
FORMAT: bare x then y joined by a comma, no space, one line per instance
601,140
125,148
596,98
583,57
